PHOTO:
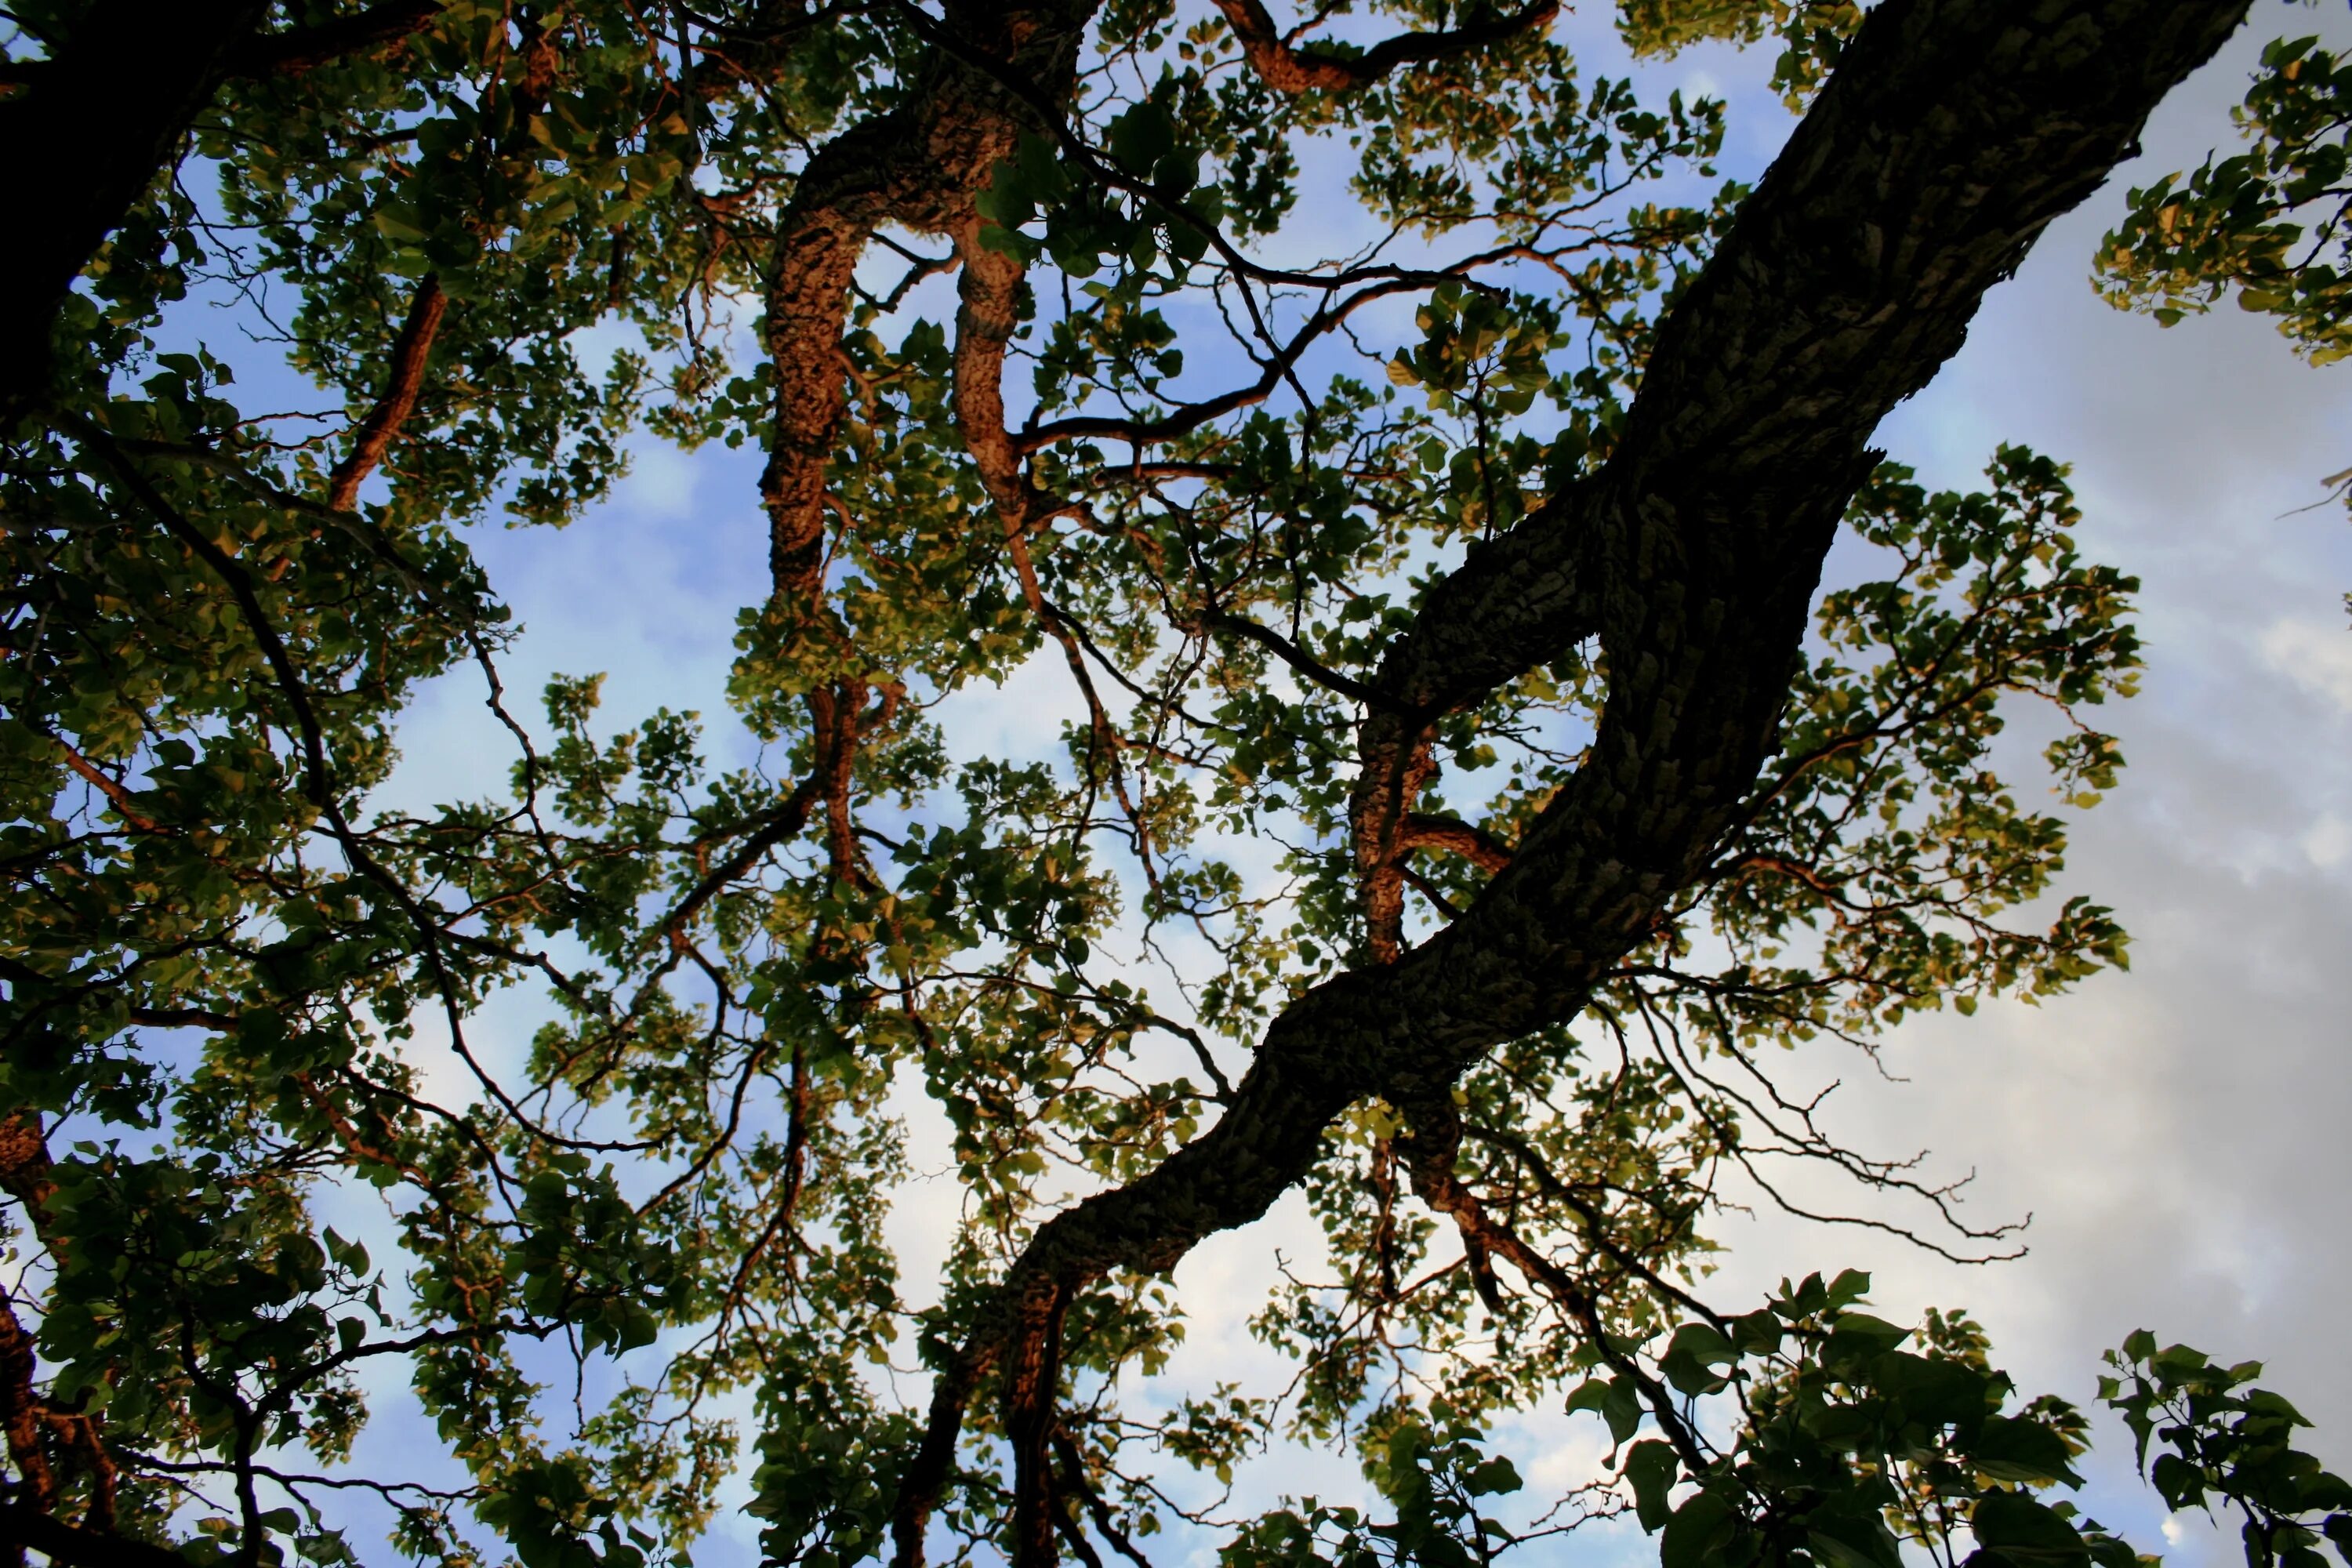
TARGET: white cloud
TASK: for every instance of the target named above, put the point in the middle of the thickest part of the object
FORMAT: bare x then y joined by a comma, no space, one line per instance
2328,841
2313,655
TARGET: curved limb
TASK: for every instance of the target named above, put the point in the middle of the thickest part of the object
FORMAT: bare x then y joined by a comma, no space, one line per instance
1848,278
1288,68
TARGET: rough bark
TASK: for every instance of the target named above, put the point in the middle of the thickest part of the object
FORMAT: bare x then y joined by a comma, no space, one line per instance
1951,134
1030,1378
988,309
25,1164
920,167
86,141
1292,71
20,1419
382,427
1475,845
1832,303
37,1431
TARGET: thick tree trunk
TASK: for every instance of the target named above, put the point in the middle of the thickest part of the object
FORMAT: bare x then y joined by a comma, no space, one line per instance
1953,131
100,118
77,150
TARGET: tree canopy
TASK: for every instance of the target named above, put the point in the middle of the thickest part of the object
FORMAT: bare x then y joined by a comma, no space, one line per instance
1475,785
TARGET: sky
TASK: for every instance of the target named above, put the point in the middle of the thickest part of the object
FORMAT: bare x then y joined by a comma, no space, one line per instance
2182,1133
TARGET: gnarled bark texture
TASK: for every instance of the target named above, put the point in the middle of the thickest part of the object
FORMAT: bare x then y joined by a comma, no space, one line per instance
1953,131
1288,68
921,167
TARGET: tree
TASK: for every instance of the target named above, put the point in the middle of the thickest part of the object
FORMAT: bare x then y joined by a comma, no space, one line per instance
1562,551
2266,225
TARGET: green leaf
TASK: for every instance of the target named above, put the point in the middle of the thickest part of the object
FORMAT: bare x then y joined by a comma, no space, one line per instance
1855,1337
1494,1477
2181,1484
1617,1402
1622,1410
398,220
1934,1391
2015,1529
1699,1532
1651,1469
1691,1357
2014,1449
1142,135
1853,1542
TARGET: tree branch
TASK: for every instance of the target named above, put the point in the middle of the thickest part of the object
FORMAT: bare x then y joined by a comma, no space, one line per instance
377,431
1292,70
122,799
1296,657
301,50
84,144
25,1527
1474,844
1953,131
920,165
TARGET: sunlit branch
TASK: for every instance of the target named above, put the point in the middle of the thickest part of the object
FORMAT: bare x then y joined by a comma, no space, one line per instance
1288,68
382,427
